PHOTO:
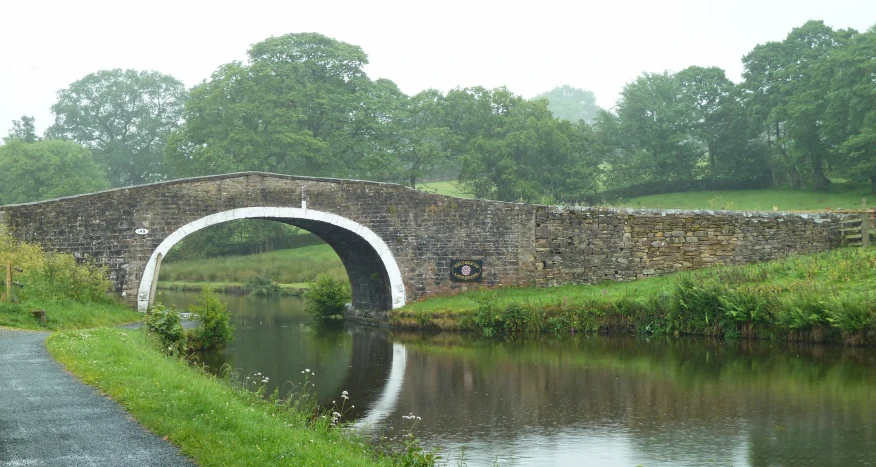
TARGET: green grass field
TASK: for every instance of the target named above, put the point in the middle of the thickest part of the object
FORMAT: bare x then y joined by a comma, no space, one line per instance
293,267
840,196
447,188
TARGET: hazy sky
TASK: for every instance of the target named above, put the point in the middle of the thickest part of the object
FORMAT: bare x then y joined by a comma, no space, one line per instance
530,47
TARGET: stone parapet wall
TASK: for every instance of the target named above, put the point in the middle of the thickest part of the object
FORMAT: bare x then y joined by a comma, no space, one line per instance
588,245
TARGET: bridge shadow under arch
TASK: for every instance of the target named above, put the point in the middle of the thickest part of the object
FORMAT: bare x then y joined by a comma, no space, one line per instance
375,277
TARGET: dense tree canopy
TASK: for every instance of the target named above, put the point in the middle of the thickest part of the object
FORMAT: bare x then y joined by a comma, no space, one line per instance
302,104
46,169
786,95
517,150
124,118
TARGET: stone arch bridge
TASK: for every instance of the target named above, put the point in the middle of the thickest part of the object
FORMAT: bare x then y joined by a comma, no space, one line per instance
398,244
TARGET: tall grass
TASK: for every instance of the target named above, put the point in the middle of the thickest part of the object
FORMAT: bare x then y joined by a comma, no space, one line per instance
822,297
294,266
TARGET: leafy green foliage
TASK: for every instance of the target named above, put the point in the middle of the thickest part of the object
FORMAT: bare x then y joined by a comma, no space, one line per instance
24,129
215,328
422,140
52,276
46,169
301,105
493,320
326,299
261,287
786,99
124,117
518,151
165,324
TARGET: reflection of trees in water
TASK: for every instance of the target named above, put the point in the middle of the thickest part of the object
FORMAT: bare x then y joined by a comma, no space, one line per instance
673,396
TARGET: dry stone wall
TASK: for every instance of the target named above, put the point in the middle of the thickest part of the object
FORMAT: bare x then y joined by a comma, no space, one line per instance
591,245
519,244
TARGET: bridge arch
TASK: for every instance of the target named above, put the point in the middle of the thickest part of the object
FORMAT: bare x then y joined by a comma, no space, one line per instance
375,277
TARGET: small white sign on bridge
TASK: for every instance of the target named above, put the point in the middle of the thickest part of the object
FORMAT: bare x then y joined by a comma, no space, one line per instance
141,231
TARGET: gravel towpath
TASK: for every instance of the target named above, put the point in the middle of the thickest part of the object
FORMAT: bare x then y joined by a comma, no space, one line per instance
49,418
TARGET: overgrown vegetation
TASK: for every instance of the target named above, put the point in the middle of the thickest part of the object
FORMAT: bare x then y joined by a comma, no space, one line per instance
326,299
165,325
824,297
74,295
215,329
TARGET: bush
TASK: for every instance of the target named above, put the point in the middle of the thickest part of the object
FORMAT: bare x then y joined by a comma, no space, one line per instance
165,324
326,299
52,276
261,287
216,329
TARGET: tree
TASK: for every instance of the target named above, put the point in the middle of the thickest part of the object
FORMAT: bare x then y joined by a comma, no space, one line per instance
422,139
850,117
23,129
654,120
717,119
572,104
46,169
301,105
124,117
786,97
523,153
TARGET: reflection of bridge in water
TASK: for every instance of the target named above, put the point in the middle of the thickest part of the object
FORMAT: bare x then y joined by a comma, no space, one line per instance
376,375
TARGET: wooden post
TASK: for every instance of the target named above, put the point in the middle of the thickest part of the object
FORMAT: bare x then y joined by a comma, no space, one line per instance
865,224
8,294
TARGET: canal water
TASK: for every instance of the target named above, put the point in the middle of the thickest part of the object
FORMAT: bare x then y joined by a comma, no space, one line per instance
582,400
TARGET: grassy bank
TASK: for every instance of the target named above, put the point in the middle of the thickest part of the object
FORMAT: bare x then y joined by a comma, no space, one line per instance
212,422
827,297
73,295
291,267
65,314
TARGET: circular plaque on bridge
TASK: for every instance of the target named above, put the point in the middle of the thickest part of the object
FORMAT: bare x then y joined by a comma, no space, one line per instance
466,270
141,231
